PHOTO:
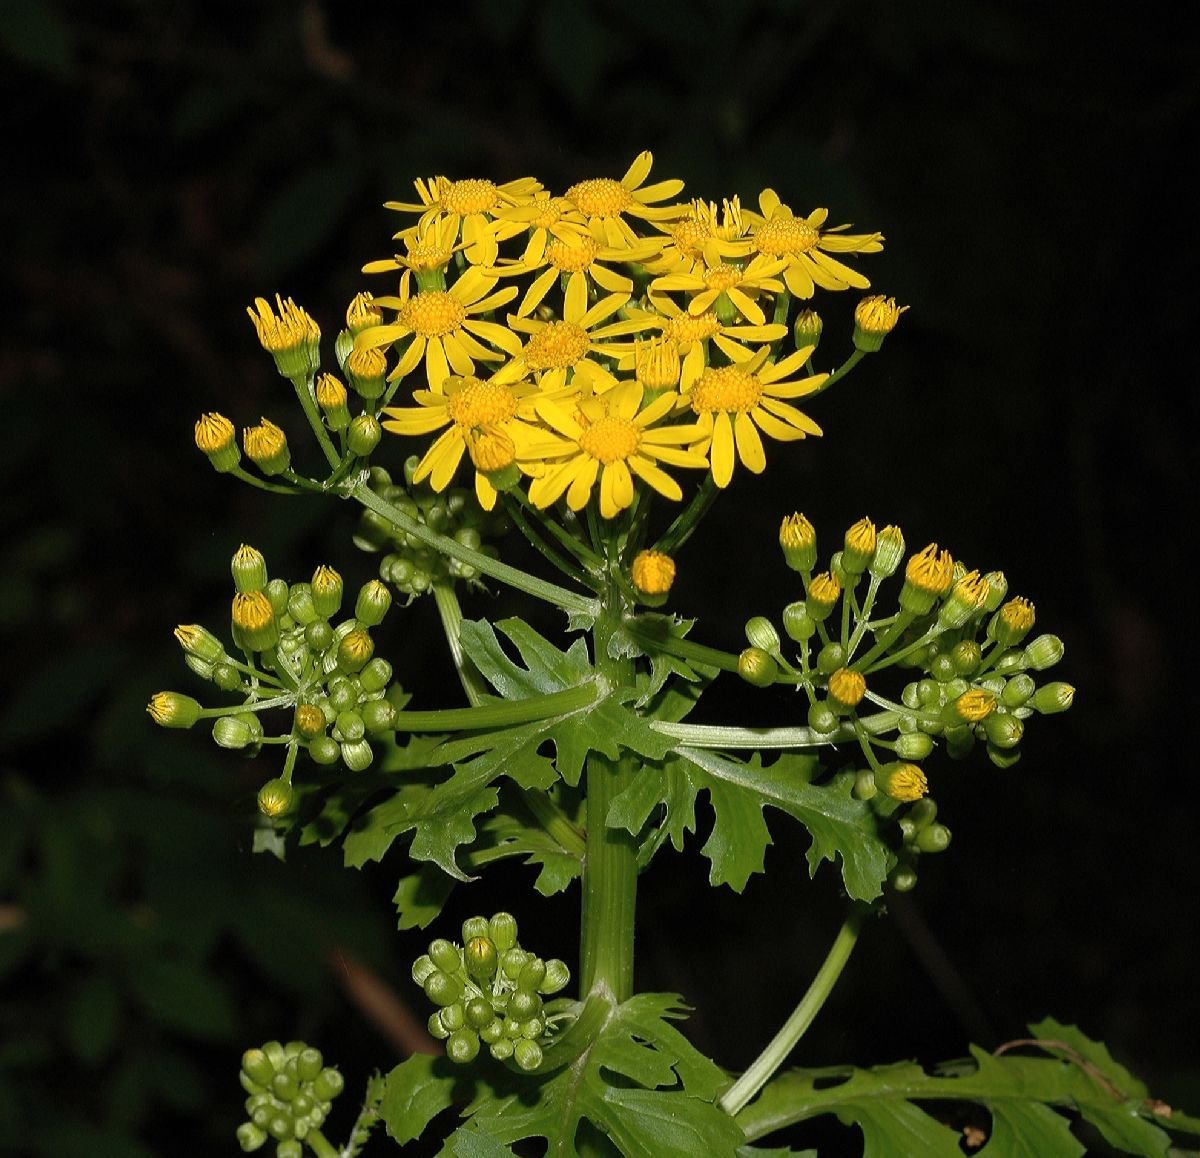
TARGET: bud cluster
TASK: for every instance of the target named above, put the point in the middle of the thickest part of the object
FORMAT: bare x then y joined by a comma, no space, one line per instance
300,657
975,676
291,1091
489,991
408,564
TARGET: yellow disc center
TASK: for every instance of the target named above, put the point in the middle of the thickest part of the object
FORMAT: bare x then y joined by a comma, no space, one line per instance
692,327
728,389
689,237
782,235
600,197
481,404
472,196
559,345
432,314
722,277
422,257
611,439
569,258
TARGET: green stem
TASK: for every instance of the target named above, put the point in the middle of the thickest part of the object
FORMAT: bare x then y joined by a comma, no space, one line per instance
577,547
552,819
609,885
320,1145
720,736
503,714
782,1044
451,615
689,518
541,546
308,403
569,601
262,484
839,373
655,640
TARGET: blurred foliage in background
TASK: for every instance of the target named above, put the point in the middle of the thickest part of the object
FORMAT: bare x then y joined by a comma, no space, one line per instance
167,161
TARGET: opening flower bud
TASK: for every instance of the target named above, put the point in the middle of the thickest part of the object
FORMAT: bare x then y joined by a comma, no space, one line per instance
798,539
1012,623
927,577
823,594
757,667
874,318
859,547
275,798
652,573
173,710
333,401
372,604
267,447
217,438
249,569
889,550
326,590
901,781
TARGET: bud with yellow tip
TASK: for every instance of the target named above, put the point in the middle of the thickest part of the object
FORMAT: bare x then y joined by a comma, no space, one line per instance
332,399
254,622
847,688
798,538
859,547
267,446
363,313
874,318
966,599
889,550
652,573
327,589
289,335
1012,623
367,370
823,594
173,710
275,798
217,438
249,569
903,782
927,577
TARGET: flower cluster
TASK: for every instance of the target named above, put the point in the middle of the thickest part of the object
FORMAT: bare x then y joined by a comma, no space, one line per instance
974,676
291,1091
607,337
340,694
490,990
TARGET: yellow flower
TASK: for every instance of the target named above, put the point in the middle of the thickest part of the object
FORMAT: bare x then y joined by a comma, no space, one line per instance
555,347
803,246
495,421
691,334
291,337
903,782
652,572
605,202
612,437
546,218
734,402
441,323
712,283
471,206
427,253
691,236
579,260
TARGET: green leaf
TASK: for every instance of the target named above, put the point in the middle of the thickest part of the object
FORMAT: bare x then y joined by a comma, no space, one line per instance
420,897
1030,1099
839,825
505,835
661,1106
415,1092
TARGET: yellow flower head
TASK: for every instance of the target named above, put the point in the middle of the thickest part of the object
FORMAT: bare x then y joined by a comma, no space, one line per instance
656,364
905,782
735,402
652,572
1013,621
363,313
930,570
847,688
974,705
494,421
215,436
443,325
252,610
716,283
266,445
798,538
823,593
605,202
875,318
471,207
858,546
290,336
612,437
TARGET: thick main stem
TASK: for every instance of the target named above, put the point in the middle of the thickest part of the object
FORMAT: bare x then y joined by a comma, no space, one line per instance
610,861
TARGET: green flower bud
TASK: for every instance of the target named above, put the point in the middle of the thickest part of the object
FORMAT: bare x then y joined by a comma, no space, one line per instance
324,750
233,732
823,593
959,742
357,755
557,976
807,328
913,746
375,675
1044,652
1017,690
275,798
859,547
1003,730
200,643
309,721
997,590
173,710
281,1127
903,878
933,838
513,962
309,1063
798,540
328,1084
436,1026
443,988
480,958
349,727
502,929
501,1050
493,1031
830,658
1002,758
797,622
463,1046
761,633
757,667
372,604
889,551
1012,623
453,1016
292,1148
285,1086
445,955
822,718
527,1054
318,636
966,656
1053,697
249,569
531,977
326,588
378,716
342,694
865,787
523,1005
354,650
300,604
513,1029
332,399
250,1137
478,1013
257,1066
474,927
965,601
923,812
422,967
363,435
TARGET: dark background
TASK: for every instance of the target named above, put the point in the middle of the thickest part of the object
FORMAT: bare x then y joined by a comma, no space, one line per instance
166,162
